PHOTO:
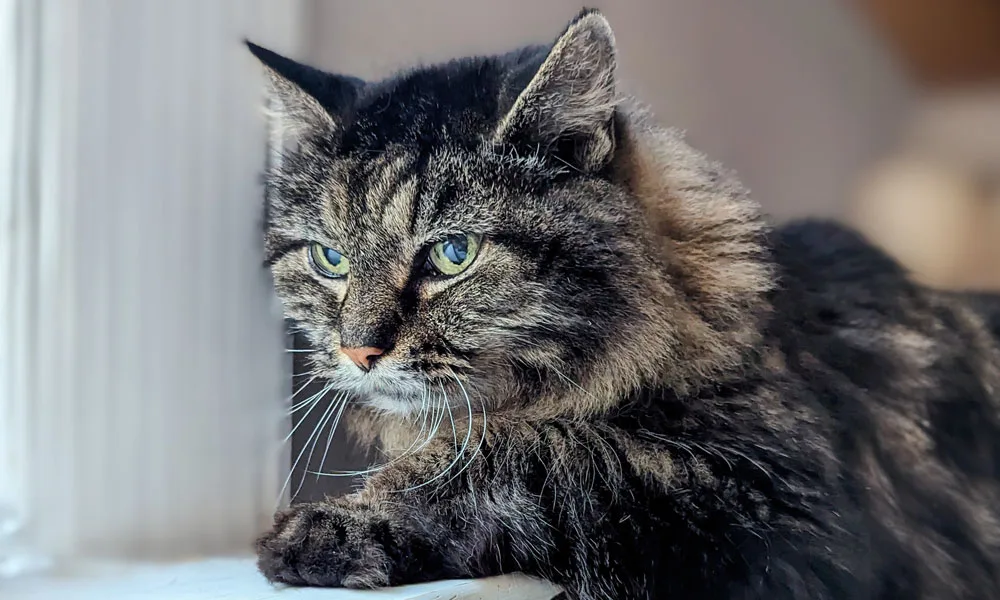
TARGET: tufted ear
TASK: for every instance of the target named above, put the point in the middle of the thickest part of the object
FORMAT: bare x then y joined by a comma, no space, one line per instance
305,98
568,106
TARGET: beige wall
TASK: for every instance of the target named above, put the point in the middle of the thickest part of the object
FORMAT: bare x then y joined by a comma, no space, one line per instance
795,95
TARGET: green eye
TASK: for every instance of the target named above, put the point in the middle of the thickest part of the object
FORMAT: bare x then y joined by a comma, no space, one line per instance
455,254
328,262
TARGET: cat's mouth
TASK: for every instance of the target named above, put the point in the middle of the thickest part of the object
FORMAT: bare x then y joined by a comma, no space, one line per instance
403,388
388,387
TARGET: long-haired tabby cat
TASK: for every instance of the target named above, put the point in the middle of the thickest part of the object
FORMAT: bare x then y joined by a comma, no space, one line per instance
636,387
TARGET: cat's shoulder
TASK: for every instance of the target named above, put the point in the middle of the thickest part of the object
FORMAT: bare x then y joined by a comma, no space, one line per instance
826,268
830,252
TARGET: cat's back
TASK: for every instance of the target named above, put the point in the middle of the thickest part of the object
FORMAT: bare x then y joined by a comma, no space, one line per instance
856,311
911,378
835,282
828,261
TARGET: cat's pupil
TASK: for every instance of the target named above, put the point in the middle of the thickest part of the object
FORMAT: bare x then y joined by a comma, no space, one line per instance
456,249
332,256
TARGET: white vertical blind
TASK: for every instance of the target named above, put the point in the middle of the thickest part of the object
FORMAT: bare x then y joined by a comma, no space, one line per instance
141,367
19,70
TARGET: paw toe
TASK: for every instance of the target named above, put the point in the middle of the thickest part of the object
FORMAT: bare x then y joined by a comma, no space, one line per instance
322,545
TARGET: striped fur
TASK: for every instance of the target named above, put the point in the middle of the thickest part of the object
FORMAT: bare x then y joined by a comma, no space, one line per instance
651,392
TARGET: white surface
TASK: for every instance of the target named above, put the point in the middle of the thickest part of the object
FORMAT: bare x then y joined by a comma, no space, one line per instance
237,579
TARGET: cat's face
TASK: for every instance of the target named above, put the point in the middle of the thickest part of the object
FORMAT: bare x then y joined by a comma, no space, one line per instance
451,264
460,231
431,236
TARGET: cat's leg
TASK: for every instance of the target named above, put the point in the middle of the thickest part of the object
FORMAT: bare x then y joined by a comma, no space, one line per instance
578,505
425,517
549,500
348,542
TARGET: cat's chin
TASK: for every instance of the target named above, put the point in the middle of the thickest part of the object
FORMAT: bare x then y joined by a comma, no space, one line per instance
393,405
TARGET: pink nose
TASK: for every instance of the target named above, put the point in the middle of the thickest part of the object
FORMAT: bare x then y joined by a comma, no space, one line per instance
364,356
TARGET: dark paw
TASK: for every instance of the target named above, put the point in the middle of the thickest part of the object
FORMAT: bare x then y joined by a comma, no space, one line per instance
325,545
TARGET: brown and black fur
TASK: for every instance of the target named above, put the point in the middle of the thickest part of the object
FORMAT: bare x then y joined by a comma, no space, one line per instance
654,393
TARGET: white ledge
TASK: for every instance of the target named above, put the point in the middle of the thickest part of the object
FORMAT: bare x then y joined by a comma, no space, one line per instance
238,579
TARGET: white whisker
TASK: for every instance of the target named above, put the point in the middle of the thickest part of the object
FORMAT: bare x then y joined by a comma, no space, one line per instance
458,455
570,381
299,457
425,410
297,407
314,438
314,400
451,417
329,439
333,429
482,438
299,391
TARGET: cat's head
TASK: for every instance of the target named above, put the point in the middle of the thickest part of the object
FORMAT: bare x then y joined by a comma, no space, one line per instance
501,228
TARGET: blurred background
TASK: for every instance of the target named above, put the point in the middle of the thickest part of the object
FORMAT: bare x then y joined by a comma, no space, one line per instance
817,104
140,349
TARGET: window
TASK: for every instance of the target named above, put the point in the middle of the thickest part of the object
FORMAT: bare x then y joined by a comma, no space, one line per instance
141,363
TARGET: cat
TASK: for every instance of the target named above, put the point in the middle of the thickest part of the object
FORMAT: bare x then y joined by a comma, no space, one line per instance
650,392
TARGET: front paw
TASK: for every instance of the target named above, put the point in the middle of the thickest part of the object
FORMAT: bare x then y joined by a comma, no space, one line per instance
325,544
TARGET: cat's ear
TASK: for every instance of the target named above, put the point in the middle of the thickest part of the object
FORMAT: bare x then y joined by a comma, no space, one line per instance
306,99
568,106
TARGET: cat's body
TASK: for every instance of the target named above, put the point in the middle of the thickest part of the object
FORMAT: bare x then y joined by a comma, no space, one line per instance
641,390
